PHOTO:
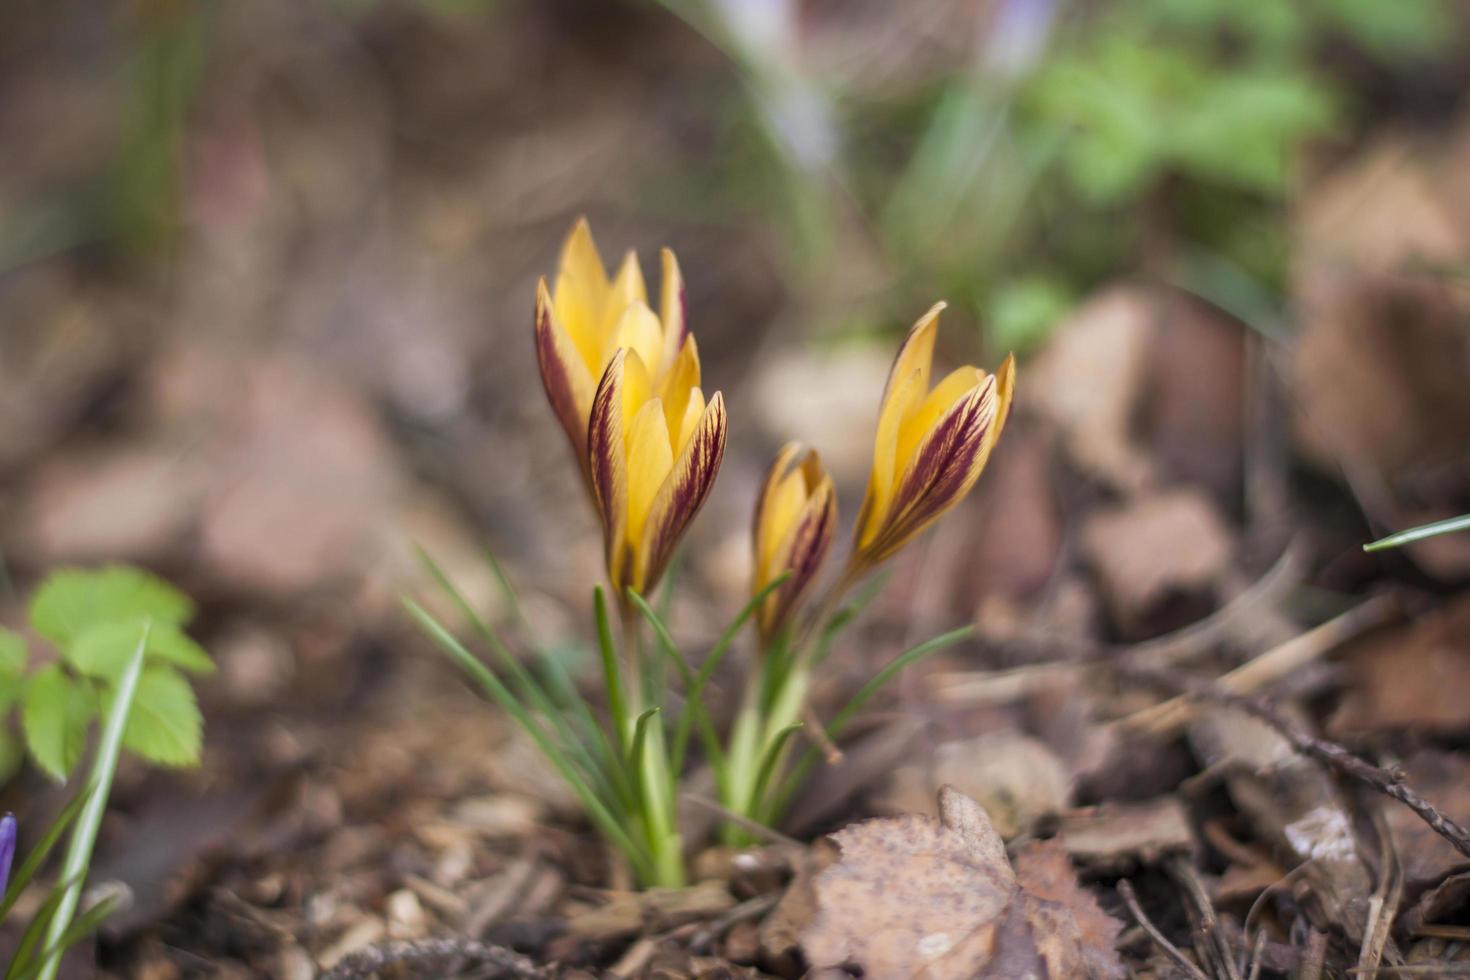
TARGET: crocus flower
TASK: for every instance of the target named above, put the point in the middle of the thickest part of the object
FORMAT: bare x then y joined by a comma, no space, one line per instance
585,317
7,849
931,445
654,448
795,518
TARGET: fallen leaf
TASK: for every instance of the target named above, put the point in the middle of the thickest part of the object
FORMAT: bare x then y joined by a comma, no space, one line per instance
913,896
1157,548
1044,870
1018,779
1117,837
1409,677
1089,378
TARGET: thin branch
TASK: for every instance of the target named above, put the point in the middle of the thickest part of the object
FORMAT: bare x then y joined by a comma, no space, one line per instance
1388,782
1125,889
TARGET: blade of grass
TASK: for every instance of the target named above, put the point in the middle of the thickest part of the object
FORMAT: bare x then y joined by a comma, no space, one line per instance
850,611
38,854
1449,526
635,755
597,810
608,764
84,925
99,784
612,675
863,696
23,961
528,689
770,763
693,704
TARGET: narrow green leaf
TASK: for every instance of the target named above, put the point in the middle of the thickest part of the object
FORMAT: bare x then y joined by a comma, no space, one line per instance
54,717
24,963
694,708
770,763
849,612
81,927
165,727
597,810
99,786
635,753
526,687
1461,523
38,854
611,674
839,722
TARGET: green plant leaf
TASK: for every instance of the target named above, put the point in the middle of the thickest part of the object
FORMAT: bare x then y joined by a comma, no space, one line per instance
1461,523
54,717
71,601
165,725
103,650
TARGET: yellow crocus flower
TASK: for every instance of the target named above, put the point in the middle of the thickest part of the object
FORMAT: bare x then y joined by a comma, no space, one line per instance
795,519
932,443
586,316
654,448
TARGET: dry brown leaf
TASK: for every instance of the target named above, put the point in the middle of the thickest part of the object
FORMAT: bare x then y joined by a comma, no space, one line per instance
1145,553
1120,836
1089,378
1045,871
914,896
1409,677
1018,779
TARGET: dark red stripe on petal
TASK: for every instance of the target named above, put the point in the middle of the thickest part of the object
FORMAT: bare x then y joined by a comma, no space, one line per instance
605,448
684,491
942,472
556,377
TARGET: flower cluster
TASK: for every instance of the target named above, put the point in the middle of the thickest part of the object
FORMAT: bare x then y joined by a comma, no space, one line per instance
625,385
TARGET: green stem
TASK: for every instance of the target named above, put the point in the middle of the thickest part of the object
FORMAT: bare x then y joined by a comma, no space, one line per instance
84,834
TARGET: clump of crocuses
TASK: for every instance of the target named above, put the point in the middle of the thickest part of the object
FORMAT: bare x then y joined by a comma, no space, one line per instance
625,383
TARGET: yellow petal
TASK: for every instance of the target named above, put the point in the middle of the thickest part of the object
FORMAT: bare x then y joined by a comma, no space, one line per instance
955,386
693,411
635,385
778,519
639,331
675,387
580,293
650,457
627,288
896,405
682,494
569,386
671,308
917,352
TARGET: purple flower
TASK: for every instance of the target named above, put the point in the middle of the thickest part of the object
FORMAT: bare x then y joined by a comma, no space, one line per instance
7,848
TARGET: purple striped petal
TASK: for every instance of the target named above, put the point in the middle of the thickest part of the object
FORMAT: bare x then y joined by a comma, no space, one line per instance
810,541
563,375
945,467
608,465
683,493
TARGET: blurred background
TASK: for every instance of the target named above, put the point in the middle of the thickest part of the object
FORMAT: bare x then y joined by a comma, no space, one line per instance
266,278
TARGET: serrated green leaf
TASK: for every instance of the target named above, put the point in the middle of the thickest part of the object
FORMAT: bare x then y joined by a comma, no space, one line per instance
165,726
54,717
103,650
71,601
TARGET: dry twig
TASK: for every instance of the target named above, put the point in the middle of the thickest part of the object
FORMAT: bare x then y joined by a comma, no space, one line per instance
1388,782
1125,889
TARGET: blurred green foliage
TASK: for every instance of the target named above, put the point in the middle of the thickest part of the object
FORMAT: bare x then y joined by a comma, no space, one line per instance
93,618
1141,130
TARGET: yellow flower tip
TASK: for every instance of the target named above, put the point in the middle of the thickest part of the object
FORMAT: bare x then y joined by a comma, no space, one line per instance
583,318
649,477
795,521
931,445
